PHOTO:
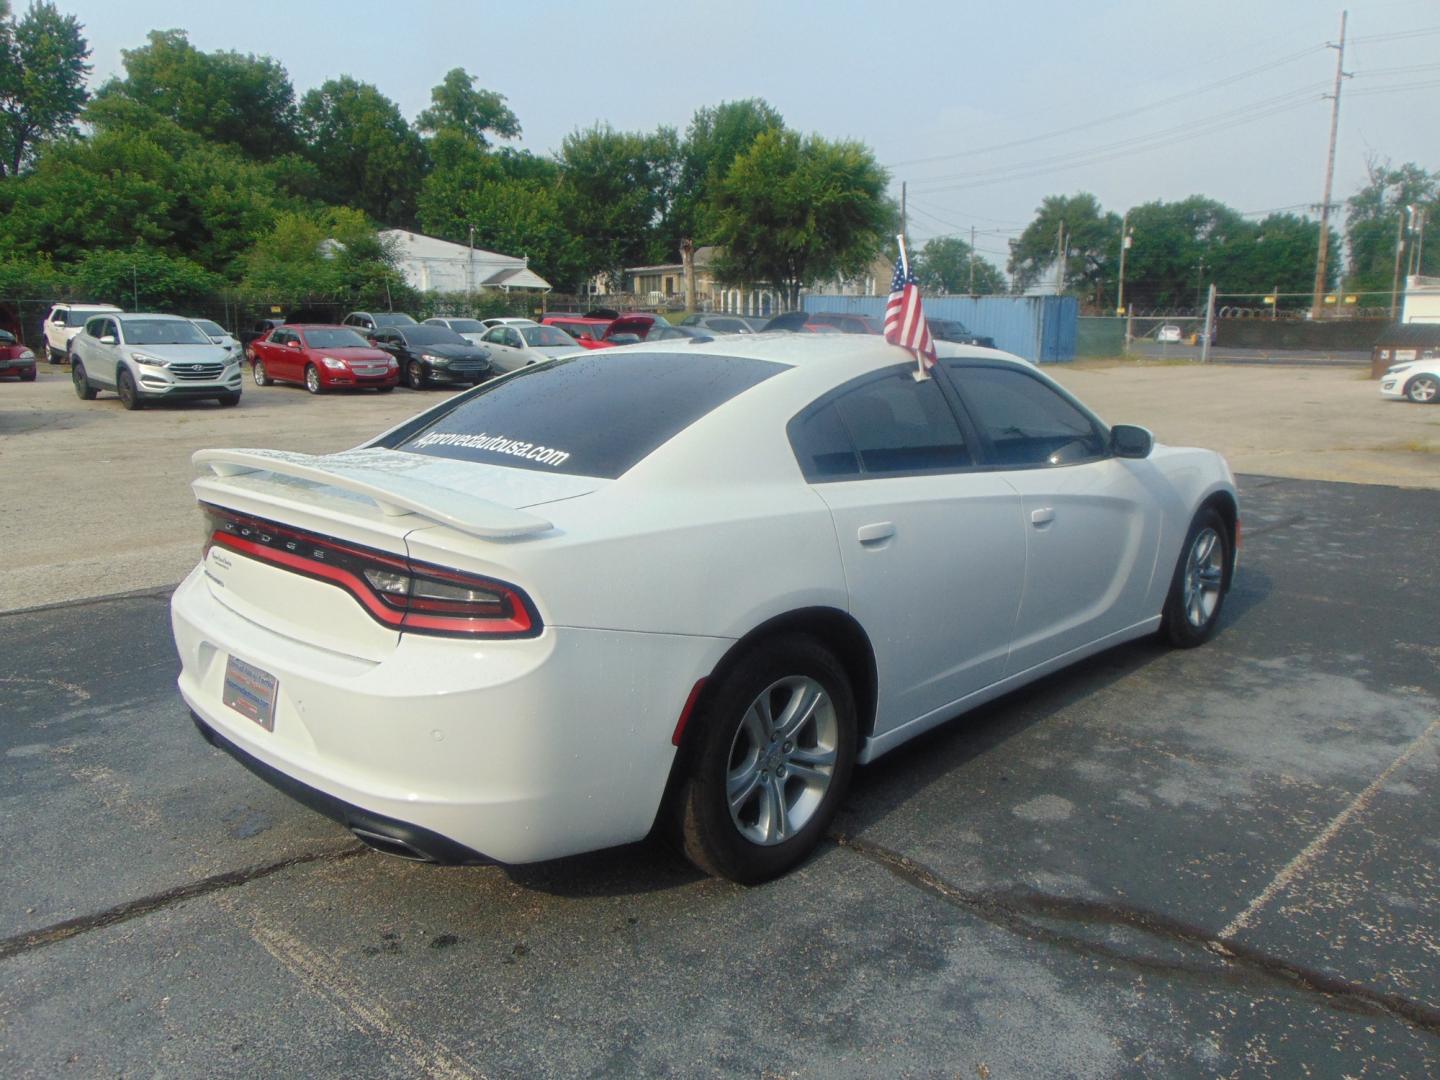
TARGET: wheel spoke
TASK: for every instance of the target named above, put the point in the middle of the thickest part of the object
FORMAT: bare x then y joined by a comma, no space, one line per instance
1210,577
740,785
798,710
1204,547
817,757
776,820
756,724
812,778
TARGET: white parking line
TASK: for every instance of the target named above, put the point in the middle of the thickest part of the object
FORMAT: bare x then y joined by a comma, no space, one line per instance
1301,862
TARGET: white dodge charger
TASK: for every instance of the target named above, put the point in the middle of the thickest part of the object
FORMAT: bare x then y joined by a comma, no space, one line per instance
689,590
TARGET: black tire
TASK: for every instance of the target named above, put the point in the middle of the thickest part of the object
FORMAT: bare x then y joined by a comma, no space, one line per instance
29,375
1423,390
1190,619
125,387
384,389
312,379
83,390
259,374
56,355
719,748
228,400
415,375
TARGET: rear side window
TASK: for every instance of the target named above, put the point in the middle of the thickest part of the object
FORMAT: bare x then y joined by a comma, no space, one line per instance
1027,422
592,415
886,426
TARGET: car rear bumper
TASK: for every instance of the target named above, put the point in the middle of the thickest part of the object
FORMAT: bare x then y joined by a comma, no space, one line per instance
17,367
513,751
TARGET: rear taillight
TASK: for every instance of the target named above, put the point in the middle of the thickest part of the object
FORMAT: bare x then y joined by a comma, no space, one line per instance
398,592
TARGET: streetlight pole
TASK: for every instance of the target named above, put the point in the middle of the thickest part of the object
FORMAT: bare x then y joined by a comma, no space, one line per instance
470,267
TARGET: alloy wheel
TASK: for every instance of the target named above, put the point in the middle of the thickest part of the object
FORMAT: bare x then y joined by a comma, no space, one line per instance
1204,577
1423,389
782,760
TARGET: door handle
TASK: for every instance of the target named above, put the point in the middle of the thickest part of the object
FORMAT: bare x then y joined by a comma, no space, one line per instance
1042,517
876,532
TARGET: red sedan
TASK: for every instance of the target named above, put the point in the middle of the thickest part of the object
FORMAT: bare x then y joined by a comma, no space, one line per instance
16,359
586,331
322,358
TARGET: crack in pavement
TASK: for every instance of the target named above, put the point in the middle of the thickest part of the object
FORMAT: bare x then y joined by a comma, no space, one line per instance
134,909
1017,911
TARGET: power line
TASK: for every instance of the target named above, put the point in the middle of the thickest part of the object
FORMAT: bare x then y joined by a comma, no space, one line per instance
1123,115
1123,148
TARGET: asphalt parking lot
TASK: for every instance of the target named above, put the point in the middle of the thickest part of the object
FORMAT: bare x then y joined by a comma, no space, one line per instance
1219,862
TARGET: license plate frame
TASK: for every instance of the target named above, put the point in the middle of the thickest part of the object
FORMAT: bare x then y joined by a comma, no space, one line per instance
251,692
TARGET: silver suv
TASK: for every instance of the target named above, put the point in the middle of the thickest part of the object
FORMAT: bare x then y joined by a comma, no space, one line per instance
152,358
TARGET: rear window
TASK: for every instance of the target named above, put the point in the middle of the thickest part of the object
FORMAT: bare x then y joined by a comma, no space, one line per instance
593,415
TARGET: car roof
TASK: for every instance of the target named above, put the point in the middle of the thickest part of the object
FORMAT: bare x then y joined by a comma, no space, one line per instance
125,316
87,307
315,326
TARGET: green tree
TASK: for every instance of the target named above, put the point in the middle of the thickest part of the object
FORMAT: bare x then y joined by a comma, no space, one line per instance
511,200
139,182
326,254
367,155
456,105
1179,248
1377,216
243,100
150,279
42,80
1092,245
715,138
792,211
947,264
614,190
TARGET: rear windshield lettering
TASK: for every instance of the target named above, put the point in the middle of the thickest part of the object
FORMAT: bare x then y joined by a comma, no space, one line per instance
497,444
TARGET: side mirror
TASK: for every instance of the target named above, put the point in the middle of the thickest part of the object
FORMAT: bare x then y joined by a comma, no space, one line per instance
1131,441
293,344
108,339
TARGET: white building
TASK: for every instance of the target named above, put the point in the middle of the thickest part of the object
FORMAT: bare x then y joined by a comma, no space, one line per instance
432,265
1422,300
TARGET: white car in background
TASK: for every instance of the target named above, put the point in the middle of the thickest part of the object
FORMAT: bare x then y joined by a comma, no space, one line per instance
686,588
218,335
518,345
1417,380
64,321
472,330
1168,333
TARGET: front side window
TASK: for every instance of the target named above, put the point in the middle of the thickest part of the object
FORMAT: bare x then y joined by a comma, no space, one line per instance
1026,422
590,415
95,328
885,426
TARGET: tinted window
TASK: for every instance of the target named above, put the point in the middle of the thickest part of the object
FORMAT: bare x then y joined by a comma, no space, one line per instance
325,338
76,318
163,332
429,335
592,415
466,326
1026,421
882,426
95,328
214,329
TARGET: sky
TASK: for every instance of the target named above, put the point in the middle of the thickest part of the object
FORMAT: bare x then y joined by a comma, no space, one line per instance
982,109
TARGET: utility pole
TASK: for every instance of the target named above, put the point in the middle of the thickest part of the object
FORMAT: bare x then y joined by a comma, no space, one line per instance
1124,247
1060,260
470,268
1209,325
1399,247
1317,303
972,260
902,208
1420,244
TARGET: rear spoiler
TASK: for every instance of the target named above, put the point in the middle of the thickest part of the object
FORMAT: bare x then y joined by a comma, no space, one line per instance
389,489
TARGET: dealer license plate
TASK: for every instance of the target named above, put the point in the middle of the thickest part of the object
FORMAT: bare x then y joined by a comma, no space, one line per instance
250,692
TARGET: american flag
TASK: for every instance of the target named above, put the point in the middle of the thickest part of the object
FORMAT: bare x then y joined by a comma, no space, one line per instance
905,323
